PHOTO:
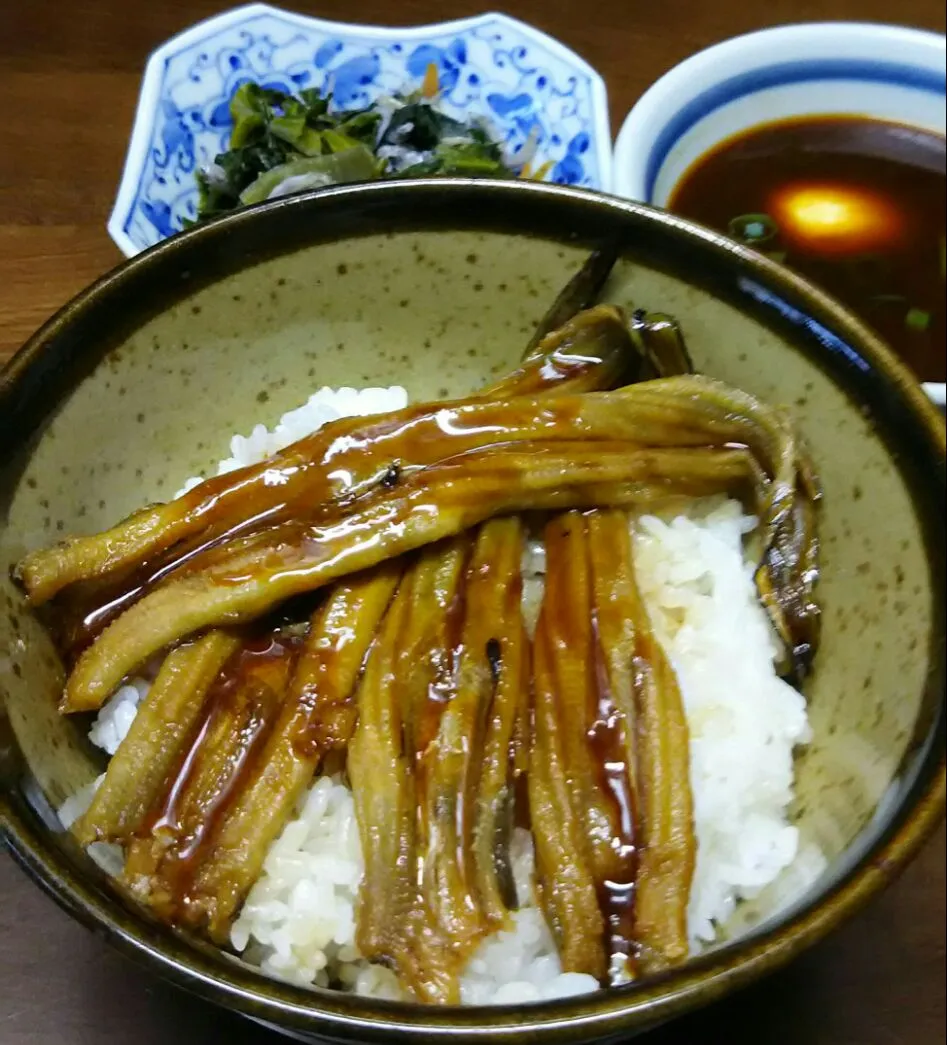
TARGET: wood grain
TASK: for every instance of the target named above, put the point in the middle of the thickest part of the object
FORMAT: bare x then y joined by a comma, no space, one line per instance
69,78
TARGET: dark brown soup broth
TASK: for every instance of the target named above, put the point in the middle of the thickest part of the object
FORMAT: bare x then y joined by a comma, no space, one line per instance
857,205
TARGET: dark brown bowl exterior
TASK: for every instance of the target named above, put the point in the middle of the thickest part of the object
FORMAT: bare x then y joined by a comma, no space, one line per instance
116,396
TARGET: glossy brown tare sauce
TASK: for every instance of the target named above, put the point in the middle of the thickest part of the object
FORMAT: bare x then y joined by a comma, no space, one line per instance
609,744
596,668
238,712
355,603
315,479
857,205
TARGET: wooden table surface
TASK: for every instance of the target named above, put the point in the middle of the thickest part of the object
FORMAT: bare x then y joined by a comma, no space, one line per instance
69,76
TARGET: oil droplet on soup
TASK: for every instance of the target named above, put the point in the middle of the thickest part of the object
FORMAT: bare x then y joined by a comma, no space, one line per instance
857,205
836,219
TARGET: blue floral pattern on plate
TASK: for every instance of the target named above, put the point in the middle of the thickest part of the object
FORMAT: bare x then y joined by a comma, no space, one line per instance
523,82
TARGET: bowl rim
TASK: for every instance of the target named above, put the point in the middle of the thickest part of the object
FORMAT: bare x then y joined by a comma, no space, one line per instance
911,820
634,165
733,56
149,96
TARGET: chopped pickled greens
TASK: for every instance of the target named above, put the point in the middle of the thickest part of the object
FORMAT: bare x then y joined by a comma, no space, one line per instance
283,144
312,172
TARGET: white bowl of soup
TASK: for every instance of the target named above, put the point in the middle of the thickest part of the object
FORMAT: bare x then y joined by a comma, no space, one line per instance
821,145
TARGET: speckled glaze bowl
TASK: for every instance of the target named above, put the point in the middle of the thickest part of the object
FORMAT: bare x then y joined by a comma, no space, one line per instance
436,285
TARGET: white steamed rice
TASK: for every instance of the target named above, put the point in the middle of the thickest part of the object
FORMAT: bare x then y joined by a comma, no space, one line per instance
298,923
744,720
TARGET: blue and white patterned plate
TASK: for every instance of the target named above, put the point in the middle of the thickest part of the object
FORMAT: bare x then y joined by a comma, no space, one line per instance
492,66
